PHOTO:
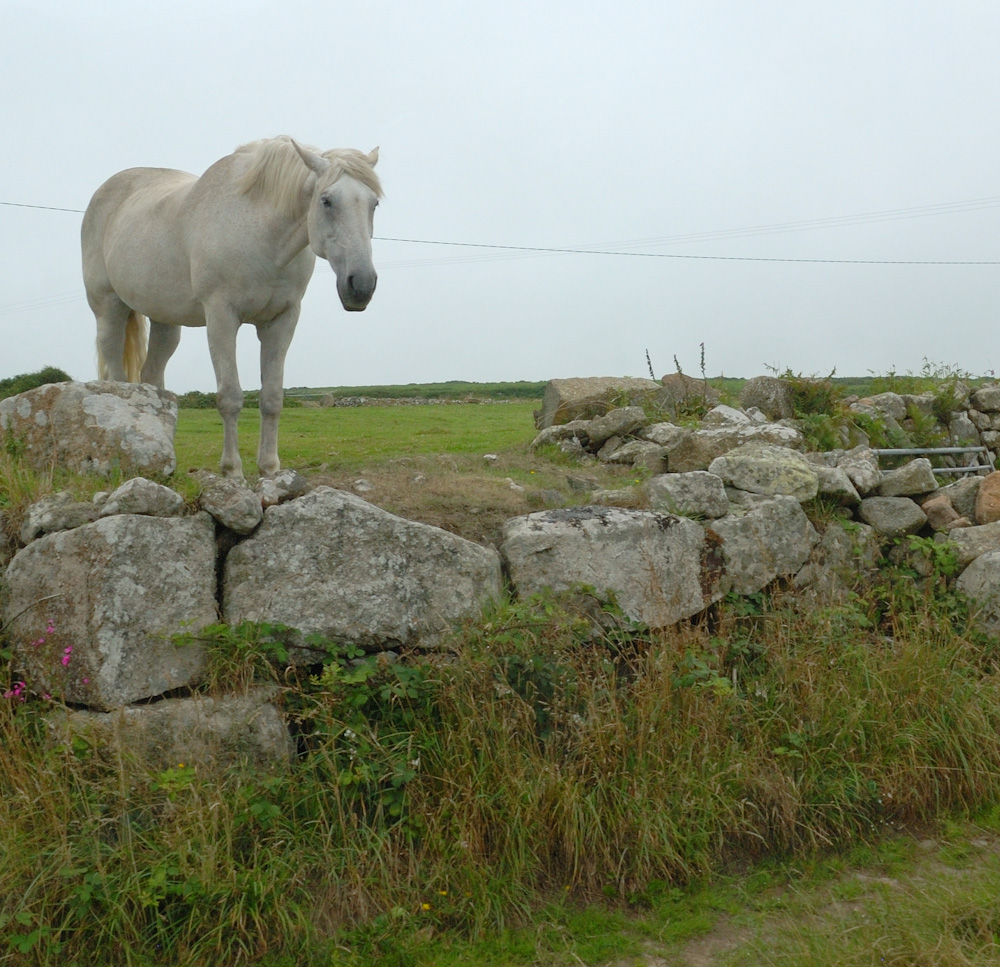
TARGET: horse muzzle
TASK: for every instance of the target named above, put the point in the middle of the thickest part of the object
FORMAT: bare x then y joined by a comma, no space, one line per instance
356,290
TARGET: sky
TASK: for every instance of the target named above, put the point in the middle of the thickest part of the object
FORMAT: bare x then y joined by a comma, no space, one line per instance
760,162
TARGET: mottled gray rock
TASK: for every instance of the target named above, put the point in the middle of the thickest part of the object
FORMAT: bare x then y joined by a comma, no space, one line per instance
94,427
980,582
114,591
723,415
334,565
981,421
911,480
770,395
637,453
767,538
650,458
892,516
962,432
695,494
835,485
623,497
609,447
879,408
972,542
962,494
678,389
861,467
767,470
56,512
573,399
575,448
560,432
890,405
619,422
283,486
142,496
208,733
652,562
697,449
922,403
231,502
664,434
843,554
987,398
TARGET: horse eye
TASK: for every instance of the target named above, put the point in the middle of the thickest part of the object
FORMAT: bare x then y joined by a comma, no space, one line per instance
326,202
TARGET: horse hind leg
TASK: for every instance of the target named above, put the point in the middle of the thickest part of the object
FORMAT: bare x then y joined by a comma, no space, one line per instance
163,340
121,341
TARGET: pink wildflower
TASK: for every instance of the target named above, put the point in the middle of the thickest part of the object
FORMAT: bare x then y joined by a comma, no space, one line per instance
16,692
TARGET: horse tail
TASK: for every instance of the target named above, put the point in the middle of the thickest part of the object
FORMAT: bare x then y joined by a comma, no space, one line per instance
136,341
134,353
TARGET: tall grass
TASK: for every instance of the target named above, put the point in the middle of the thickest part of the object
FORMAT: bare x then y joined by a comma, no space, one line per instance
556,752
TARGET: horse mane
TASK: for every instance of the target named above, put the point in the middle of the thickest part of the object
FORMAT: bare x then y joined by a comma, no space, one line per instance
276,172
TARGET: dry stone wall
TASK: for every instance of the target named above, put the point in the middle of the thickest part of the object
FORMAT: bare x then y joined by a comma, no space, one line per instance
98,595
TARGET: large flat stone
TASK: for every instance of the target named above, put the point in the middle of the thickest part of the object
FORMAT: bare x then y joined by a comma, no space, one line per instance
333,565
115,591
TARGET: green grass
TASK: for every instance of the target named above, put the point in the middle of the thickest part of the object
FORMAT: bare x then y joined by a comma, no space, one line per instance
352,437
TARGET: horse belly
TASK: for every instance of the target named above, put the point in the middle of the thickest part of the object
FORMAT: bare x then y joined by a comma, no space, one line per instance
150,275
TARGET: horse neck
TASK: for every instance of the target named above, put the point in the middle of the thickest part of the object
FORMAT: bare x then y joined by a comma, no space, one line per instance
284,232
291,239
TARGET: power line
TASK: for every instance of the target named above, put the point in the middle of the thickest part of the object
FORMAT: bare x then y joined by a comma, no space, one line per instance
47,208
836,221
674,255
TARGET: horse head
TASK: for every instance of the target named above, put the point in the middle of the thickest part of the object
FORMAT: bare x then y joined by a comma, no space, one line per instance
340,219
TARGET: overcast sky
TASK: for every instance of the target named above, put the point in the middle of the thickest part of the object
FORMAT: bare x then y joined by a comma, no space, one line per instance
744,129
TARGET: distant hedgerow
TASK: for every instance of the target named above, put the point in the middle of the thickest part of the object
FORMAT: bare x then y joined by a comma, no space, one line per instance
13,385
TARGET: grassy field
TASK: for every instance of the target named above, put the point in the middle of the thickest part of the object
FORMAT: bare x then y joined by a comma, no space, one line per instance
779,785
352,438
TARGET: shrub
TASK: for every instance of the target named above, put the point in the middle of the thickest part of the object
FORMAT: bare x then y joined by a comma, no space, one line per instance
13,385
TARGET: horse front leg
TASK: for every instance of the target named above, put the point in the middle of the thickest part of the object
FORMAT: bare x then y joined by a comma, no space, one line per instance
222,325
275,338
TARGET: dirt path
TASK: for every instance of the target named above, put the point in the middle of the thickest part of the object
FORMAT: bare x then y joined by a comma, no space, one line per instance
930,877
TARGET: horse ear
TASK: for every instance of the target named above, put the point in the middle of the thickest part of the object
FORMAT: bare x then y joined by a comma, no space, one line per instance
315,162
373,156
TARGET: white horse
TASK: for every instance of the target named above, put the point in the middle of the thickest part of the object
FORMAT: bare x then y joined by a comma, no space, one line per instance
231,247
